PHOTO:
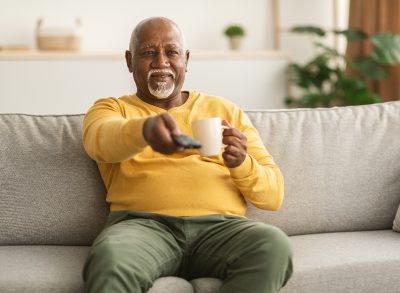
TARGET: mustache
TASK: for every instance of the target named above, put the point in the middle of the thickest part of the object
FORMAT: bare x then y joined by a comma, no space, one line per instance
162,71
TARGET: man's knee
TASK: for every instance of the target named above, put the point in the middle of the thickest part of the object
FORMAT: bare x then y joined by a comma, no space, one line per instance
270,241
273,251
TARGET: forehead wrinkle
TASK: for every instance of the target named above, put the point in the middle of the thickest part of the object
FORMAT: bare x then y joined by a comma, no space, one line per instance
151,45
174,45
146,45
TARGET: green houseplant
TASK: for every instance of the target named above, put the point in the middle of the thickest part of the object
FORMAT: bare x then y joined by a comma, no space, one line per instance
325,80
235,33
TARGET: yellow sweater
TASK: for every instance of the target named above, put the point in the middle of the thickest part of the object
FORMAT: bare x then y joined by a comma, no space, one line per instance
183,184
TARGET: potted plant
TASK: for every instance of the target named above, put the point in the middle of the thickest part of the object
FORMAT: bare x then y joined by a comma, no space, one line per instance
325,80
235,33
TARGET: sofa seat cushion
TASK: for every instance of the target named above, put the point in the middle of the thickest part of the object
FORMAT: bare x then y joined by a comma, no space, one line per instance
57,269
42,269
367,261
178,285
171,284
206,285
357,262
396,222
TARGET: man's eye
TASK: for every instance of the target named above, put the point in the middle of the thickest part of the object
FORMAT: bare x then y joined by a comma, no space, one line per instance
173,53
148,53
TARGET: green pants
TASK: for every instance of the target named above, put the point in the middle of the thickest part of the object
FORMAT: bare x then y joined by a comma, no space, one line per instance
136,248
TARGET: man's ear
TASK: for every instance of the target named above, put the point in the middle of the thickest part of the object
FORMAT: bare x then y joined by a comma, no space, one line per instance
187,59
128,58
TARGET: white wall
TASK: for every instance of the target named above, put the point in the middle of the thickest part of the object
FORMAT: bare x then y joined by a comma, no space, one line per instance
57,86
310,12
107,24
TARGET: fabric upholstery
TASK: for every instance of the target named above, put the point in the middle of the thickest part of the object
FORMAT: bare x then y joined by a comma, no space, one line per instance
396,222
341,167
206,285
356,262
50,190
171,284
314,148
42,269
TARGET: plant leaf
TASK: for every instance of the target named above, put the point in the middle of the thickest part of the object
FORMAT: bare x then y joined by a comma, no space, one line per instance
319,60
361,97
352,34
386,48
310,100
319,70
368,68
299,76
328,49
353,91
349,84
313,30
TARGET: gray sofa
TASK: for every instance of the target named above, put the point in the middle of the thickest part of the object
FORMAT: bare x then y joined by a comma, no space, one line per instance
342,180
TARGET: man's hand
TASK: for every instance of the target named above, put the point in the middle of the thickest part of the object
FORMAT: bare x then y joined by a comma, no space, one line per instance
158,131
236,146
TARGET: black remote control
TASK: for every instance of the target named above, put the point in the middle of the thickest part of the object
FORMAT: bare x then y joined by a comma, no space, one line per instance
186,141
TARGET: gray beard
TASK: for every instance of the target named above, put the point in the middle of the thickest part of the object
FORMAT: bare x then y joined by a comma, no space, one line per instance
162,91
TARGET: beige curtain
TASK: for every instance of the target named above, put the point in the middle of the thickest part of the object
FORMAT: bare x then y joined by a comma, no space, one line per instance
373,16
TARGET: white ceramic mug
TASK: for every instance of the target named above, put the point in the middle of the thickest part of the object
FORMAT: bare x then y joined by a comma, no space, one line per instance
209,133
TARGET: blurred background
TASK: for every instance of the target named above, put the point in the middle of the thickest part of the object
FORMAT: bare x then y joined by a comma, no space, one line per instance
58,57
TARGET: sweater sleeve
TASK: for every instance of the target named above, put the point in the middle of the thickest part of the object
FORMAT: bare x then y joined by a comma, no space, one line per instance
258,177
108,136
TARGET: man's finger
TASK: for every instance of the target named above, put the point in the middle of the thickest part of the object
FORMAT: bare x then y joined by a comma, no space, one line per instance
233,150
232,140
170,124
158,131
226,123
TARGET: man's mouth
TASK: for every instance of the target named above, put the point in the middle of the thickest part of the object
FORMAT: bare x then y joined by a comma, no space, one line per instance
160,75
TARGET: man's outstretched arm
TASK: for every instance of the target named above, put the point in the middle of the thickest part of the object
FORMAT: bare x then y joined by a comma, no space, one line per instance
109,137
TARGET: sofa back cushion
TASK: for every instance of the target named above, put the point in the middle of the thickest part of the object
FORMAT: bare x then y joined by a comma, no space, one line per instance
50,190
341,167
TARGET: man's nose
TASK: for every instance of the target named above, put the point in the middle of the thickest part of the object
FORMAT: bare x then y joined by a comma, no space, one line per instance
160,60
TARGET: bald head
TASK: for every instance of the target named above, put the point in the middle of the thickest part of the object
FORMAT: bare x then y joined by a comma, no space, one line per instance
154,22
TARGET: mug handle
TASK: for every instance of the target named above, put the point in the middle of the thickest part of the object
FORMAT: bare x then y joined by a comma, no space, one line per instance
224,127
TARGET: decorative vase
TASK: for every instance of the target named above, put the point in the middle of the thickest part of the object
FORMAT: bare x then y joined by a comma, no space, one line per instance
235,42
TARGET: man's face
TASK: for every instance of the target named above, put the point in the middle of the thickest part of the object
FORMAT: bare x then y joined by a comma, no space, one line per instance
159,62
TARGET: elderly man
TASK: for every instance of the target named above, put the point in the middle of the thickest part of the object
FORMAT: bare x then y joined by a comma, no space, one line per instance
173,212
